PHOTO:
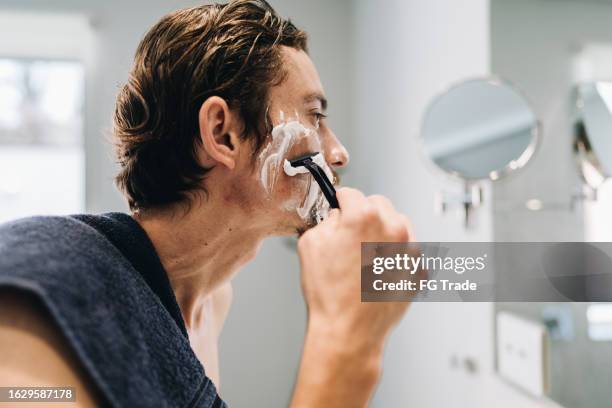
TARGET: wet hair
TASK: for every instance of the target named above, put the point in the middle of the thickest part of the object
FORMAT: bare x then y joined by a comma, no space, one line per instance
227,50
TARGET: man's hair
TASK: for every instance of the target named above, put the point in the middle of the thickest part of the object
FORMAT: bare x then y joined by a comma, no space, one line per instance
227,50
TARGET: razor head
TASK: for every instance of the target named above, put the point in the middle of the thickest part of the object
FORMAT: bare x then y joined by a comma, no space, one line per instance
303,160
327,187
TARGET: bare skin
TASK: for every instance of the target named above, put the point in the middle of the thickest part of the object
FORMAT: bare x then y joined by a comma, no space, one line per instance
203,249
203,245
33,352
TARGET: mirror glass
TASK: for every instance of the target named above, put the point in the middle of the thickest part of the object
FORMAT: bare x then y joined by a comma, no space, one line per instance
480,129
593,137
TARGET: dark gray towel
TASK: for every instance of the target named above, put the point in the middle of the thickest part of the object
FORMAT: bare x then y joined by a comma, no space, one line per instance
125,338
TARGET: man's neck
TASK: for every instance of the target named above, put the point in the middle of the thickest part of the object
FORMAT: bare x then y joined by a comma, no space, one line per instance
200,249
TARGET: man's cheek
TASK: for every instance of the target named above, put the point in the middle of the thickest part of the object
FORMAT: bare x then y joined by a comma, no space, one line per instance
289,140
293,189
303,146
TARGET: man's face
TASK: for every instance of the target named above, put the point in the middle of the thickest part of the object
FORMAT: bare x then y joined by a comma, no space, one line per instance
297,112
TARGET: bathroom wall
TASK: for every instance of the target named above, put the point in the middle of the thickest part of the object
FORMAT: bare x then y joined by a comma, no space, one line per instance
405,53
538,59
533,44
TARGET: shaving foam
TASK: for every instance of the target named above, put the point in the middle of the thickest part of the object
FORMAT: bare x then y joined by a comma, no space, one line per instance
292,171
315,204
284,136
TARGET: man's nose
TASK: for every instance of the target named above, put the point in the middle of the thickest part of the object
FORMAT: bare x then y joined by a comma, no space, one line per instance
336,154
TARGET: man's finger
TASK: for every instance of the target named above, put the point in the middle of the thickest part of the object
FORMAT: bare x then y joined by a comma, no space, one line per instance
409,226
395,223
333,214
351,201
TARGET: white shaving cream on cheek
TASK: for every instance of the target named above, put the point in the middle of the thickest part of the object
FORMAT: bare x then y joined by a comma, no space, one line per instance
284,136
272,157
315,204
314,198
317,158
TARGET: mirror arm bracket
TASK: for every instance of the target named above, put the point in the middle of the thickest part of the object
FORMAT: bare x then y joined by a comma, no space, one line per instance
468,200
586,193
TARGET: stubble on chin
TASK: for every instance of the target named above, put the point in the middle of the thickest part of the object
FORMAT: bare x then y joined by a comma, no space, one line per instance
310,222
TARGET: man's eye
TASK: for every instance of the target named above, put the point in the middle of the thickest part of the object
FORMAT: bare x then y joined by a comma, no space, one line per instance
318,116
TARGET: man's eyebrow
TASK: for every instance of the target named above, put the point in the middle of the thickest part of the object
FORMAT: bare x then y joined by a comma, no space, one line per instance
317,97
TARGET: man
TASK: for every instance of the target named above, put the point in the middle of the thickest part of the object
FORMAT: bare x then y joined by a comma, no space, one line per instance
127,309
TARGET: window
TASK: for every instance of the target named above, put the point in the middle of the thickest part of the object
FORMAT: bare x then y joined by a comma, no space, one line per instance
599,317
41,137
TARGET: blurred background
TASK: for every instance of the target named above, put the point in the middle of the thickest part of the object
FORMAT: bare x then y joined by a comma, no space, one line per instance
382,64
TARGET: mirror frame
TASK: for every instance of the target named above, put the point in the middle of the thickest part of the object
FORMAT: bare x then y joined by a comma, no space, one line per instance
516,164
581,143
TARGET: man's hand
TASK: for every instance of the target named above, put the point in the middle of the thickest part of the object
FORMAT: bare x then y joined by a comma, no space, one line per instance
343,348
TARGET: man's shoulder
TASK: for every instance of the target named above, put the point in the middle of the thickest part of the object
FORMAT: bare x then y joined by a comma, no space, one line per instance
41,223
55,249
44,233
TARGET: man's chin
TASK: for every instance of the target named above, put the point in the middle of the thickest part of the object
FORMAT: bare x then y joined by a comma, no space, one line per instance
311,221
292,226
303,228
297,225
316,215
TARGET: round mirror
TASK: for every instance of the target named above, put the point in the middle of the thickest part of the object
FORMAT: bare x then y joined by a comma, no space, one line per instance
593,138
480,129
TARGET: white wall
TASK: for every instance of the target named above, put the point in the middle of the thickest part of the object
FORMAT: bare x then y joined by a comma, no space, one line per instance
405,53
539,58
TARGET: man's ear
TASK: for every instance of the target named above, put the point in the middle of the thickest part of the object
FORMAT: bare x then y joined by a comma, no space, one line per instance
219,133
